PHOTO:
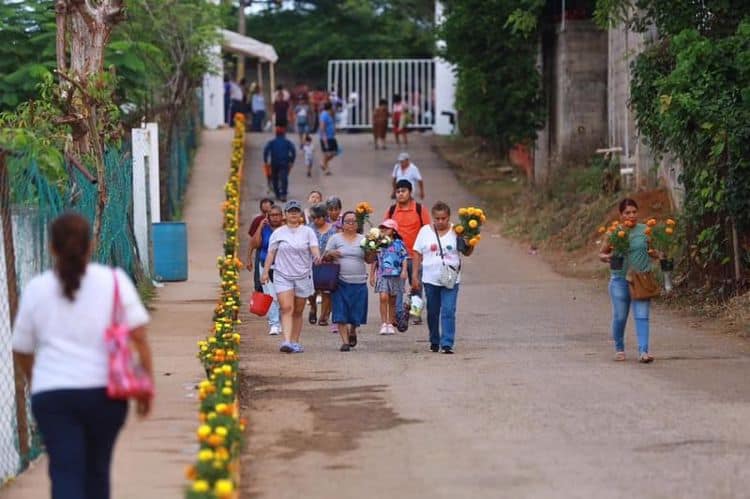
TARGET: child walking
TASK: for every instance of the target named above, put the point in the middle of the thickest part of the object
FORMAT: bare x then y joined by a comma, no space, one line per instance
308,150
391,271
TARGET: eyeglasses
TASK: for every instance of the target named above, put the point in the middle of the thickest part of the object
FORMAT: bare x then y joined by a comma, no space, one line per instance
350,222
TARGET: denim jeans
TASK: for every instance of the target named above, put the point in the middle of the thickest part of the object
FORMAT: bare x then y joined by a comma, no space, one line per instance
280,179
441,314
400,296
79,428
274,315
258,119
619,293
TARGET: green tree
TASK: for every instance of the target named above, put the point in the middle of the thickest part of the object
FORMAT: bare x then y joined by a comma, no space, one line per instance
494,45
312,33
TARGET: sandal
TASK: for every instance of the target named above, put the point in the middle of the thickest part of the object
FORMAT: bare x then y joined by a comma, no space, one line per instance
312,317
646,358
619,356
322,322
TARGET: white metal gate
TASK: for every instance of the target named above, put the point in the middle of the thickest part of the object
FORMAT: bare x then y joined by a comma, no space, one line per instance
361,83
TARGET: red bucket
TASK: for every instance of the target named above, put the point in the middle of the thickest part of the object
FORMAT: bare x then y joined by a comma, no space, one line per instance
260,303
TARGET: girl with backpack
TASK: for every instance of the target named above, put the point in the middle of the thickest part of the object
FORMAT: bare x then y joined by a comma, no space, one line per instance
391,271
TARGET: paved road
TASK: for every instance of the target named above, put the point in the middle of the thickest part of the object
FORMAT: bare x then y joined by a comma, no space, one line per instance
531,405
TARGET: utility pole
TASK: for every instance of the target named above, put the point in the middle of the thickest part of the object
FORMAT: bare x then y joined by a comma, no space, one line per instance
242,30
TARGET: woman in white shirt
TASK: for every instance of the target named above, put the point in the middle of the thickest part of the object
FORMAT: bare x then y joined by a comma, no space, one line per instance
437,246
292,250
59,341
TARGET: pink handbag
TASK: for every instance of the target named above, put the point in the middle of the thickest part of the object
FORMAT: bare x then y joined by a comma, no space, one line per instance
126,379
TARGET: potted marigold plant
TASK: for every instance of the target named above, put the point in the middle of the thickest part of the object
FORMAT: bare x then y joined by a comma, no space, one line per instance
663,240
470,225
362,212
617,235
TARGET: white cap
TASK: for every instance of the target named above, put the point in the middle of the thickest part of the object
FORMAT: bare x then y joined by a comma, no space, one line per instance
403,156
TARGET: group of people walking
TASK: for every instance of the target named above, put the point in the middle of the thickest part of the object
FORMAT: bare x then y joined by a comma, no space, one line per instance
288,243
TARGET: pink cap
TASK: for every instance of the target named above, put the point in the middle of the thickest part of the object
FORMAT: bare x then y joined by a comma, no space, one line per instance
389,223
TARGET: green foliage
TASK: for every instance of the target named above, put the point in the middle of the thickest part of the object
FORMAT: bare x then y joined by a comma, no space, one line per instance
691,98
27,49
313,33
494,45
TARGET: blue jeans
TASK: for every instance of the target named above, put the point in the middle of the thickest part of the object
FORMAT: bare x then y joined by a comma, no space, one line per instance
280,180
619,293
258,118
79,428
441,314
274,315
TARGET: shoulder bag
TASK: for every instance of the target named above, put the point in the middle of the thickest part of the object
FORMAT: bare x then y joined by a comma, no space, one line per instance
448,273
127,378
643,285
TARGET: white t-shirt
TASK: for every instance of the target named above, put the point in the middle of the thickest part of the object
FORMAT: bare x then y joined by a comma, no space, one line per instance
309,151
411,174
67,338
427,245
293,258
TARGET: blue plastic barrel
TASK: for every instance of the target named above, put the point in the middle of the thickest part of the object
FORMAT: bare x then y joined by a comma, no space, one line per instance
170,251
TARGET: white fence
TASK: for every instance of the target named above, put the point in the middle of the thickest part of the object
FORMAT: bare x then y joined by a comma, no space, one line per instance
361,83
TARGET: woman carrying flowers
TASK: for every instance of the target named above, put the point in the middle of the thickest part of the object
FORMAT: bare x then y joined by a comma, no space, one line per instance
637,258
391,271
437,253
350,298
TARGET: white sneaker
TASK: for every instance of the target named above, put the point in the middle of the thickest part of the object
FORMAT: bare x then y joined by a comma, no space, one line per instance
275,331
384,329
391,329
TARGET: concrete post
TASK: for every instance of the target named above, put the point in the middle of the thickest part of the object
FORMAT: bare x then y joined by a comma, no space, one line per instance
153,171
141,225
445,87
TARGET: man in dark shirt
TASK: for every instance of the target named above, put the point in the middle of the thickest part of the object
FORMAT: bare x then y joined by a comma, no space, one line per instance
280,154
252,262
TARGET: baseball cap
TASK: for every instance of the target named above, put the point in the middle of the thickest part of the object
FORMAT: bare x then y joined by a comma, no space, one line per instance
389,223
402,156
293,204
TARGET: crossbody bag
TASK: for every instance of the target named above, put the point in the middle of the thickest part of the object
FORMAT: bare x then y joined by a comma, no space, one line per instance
448,273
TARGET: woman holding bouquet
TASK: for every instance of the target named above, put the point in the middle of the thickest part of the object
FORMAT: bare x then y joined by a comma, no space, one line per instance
637,258
350,298
436,247
391,271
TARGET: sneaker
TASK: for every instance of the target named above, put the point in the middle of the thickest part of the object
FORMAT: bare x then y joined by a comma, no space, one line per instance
274,331
297,348
286,347
391,329
384,329
434,348
448,350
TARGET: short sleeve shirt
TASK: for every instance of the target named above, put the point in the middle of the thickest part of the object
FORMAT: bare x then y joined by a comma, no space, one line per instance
293,256
352,261
427,245
329,127
411,174
409,222
391,259
67,337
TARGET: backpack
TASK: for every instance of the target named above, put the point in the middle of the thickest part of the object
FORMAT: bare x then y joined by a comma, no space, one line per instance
392,210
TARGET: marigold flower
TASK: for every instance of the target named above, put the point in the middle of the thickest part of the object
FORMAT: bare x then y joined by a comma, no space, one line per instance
204,431
671,222
647,231
621,234
473,224
200,486
602,230
651,222
223,488
205,455
669,231
459,229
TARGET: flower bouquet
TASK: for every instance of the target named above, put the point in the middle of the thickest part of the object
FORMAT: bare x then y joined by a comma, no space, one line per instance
362,212
470,224
374,241
663,240
617,235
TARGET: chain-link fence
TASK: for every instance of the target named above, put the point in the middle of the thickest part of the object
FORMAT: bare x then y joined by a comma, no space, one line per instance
28,202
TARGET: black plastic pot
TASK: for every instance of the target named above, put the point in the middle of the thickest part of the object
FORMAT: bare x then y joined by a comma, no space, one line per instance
667,265
616,262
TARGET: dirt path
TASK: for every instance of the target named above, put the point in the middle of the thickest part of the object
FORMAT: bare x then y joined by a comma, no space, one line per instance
530,406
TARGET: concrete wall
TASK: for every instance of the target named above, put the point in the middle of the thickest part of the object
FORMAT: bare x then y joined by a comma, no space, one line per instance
579,123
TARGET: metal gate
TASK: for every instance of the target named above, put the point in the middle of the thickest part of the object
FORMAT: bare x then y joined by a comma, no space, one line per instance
359,84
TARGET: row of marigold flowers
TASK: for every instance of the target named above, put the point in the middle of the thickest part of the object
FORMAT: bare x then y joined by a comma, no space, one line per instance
215,474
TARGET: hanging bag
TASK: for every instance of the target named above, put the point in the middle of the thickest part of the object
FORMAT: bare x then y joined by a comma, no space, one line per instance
126,378
326,276
643,285
448,273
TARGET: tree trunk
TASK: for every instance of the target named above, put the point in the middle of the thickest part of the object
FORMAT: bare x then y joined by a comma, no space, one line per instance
83,30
